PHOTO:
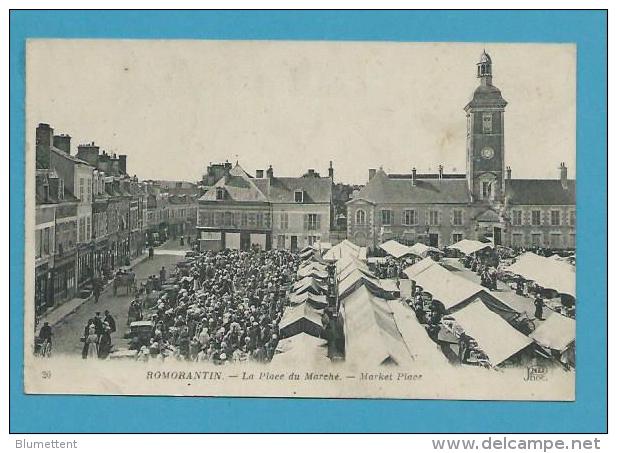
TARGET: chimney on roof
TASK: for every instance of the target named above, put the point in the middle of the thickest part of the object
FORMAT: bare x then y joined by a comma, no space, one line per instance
44,140
122,163
563,175
508,172
413,176
270,172
63,142
371,173
259,174
331,171
440,168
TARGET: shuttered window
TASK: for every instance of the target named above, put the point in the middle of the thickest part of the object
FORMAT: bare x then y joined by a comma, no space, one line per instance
312,222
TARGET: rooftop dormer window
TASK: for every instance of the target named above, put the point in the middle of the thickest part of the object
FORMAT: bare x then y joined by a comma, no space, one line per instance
299,196
220,193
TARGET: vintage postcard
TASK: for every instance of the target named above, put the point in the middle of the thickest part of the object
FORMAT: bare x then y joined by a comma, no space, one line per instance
300,219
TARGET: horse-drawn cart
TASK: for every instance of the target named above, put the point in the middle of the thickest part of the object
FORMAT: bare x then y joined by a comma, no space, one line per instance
125,280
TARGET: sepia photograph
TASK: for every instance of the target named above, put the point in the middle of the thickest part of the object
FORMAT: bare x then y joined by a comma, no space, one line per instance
317,219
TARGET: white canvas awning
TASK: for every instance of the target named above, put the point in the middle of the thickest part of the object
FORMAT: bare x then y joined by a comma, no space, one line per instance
308,281
349,262
498,339
419,267
395,248
307,253
308,266
354,279
316,300
447,287
316,273
301,318
376,260
371,335
557,332
548,273
467,246
322,246
424,350
341,250
302,349
423,250
309,285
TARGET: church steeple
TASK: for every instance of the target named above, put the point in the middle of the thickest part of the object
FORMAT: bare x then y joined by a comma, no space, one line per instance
485,69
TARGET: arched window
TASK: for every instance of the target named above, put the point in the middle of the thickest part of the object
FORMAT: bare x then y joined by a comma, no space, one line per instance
360,217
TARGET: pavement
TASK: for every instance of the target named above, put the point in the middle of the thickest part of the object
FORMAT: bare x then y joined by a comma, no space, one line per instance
57,314
68,324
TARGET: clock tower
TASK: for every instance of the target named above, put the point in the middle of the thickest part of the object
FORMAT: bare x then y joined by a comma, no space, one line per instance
485,138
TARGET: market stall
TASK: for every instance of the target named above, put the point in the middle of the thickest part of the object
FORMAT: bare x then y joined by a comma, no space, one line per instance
493,336
301,318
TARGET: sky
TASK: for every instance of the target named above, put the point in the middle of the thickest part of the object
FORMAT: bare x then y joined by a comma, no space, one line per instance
174,106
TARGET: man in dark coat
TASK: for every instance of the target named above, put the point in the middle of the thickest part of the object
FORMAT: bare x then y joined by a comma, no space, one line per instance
539,303
96,289
45,333
111,321
98,324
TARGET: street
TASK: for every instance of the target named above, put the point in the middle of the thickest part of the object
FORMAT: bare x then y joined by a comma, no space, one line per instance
68,332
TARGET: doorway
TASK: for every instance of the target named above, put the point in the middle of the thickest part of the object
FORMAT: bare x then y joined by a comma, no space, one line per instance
245,241
496,235
433,239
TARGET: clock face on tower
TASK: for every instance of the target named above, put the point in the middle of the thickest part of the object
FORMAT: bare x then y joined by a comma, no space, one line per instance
487,152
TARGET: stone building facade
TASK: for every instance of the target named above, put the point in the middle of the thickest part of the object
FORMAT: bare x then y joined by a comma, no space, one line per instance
241,211
484,203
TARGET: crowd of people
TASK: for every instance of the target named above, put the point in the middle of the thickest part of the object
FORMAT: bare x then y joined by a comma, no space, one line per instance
391,267
227,308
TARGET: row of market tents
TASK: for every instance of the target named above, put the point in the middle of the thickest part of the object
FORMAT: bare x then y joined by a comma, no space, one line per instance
380,329
553,273
301,326
486,317
398,250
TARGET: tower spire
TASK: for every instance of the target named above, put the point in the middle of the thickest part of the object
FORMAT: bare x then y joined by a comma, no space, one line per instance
485,69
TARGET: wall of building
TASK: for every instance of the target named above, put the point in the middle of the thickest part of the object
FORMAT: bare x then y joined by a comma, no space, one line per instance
374,232
546,234
289,219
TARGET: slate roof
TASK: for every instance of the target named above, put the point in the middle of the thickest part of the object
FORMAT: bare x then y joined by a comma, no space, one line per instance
486,96
70,157
383,189
238,186
540,192
282,190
